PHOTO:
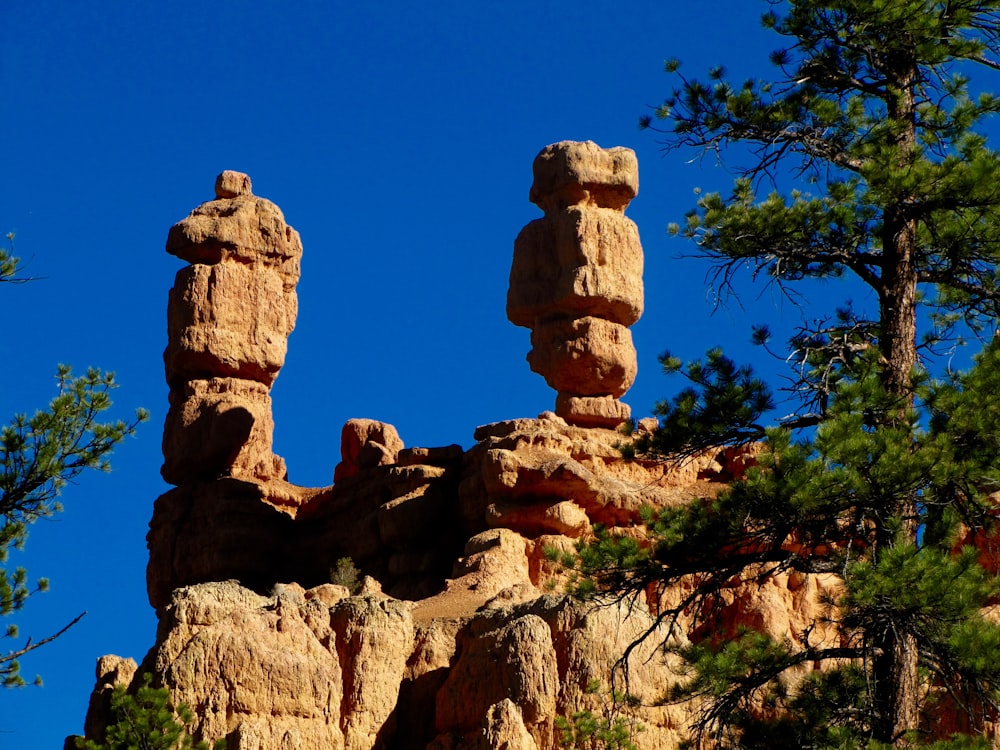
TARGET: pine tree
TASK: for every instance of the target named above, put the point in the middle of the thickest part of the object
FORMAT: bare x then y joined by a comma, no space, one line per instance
146,720
875,126
39,455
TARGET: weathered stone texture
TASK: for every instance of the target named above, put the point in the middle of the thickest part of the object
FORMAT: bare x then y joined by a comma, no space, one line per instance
364,444
475,658
244,229
583,260
112,671
285,668
219,427
242,333
583,355
513,659
569,173
230,184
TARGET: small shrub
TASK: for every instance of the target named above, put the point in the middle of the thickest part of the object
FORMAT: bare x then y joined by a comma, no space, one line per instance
628,427
585,730
147,720
346,574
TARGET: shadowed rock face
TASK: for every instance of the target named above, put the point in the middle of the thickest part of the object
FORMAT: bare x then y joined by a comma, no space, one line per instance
576,279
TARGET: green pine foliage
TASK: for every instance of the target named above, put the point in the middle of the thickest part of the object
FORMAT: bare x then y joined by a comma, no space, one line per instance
865,157
735,399
585,730
8,263
146,720
611,729
39,455
346,574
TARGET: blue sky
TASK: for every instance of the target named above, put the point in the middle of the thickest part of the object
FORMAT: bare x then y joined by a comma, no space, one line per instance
398,139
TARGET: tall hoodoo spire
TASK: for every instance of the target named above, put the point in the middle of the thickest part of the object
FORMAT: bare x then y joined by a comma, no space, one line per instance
228,319
576,279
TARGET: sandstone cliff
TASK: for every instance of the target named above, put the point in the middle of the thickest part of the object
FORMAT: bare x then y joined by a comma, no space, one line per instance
458,637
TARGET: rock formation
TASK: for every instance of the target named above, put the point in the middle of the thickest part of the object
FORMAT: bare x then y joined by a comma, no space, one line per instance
457,638
576,279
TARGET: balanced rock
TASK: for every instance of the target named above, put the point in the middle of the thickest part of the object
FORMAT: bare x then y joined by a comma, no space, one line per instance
229,184
579,354
568,173
218,427
585,260
576,279
230,320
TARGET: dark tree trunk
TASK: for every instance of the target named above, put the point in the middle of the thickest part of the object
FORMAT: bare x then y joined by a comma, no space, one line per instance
896,661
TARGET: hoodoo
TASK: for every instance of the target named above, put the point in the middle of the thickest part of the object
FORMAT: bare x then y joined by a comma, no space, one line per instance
576,279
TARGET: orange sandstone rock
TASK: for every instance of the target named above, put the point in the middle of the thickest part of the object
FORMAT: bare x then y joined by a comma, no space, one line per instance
584,355
364,444
229,184
244,228
219,427
568,173
228,320
582,260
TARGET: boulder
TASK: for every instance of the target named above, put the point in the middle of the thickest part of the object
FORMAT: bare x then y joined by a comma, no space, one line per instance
571,172
228,320
583,261
364,444
584,356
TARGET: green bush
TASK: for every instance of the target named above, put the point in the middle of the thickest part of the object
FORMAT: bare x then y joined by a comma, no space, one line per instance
147,720
346,574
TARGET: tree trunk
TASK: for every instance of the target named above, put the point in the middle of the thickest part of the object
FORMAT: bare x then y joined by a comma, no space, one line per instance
896,682
898,311
896,677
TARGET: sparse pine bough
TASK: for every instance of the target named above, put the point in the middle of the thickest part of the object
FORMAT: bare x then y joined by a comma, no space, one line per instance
146,719
867,159
39,455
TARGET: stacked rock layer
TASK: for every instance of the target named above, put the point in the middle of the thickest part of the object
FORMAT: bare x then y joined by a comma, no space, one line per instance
576,279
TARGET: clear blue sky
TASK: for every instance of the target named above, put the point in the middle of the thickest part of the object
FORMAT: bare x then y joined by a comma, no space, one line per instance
398,139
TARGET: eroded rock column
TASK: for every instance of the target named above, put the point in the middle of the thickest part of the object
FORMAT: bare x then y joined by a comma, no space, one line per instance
228,319
576,279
